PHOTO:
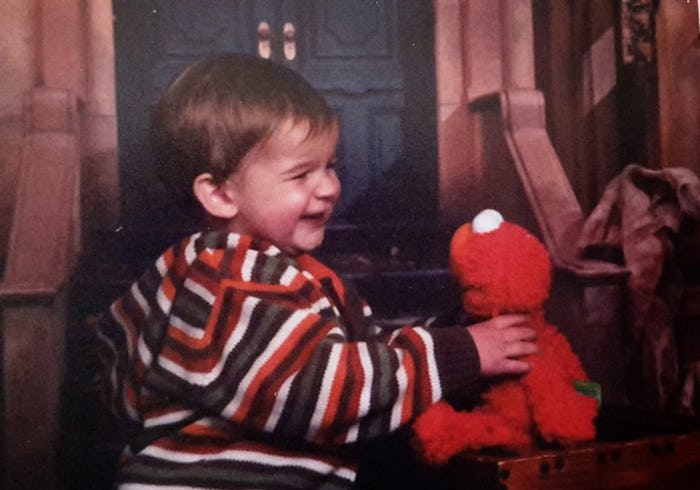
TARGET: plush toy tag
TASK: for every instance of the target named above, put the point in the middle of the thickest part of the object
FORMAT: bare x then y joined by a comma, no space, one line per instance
589,388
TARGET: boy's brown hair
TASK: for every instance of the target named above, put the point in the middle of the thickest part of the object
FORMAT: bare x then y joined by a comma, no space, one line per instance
221,107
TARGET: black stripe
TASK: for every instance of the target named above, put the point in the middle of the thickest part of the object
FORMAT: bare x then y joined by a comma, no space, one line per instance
419,362
261,404
304,392
226,474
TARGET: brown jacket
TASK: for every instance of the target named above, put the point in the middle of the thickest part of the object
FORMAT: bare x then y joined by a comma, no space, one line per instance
640,215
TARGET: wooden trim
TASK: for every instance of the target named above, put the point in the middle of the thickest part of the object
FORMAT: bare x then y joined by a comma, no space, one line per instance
17,294
549,192
43,239
43,248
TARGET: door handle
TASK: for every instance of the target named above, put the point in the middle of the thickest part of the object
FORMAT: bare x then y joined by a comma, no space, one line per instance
289,33
289,42
264,45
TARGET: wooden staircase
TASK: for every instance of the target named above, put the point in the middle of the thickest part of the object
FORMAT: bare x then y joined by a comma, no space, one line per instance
586,300
43,248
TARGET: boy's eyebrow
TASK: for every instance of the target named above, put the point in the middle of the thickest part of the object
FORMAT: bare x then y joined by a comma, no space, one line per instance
299,166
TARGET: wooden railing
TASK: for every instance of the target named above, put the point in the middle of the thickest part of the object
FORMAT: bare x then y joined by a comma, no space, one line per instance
524,177
43,248
520,118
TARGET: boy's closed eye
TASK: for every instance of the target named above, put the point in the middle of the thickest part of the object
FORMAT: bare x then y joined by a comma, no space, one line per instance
299,171
304,170
300,176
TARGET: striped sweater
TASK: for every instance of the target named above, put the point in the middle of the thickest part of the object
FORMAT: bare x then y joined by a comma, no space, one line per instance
245,368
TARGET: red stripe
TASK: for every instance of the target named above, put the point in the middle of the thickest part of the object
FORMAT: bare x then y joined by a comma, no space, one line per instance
352,408
272,365
331,411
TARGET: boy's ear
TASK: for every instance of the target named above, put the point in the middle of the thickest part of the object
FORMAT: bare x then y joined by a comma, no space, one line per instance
216,199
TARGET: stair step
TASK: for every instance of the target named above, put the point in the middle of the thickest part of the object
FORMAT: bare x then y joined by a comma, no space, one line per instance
400,269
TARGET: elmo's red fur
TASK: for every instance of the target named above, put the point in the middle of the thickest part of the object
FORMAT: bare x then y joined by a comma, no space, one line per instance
507,270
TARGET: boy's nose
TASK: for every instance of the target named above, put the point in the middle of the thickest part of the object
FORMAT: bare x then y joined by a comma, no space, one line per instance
329,186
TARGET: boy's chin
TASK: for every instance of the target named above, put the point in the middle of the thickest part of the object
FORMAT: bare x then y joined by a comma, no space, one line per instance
308,243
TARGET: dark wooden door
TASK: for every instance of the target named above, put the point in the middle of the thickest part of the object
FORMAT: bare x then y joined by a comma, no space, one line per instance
372,59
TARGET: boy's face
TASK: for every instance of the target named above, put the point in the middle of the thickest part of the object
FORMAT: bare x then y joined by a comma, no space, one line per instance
286,188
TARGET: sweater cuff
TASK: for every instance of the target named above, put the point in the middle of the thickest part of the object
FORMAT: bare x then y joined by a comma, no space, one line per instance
457,360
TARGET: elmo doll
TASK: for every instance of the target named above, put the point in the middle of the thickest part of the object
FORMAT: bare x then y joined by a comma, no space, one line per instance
501,268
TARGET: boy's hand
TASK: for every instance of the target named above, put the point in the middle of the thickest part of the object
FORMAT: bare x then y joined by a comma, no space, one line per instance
500,341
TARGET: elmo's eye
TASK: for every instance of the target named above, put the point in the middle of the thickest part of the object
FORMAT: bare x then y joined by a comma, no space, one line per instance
486,221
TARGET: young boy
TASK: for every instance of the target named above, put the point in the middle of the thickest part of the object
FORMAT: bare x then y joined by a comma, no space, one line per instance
243,361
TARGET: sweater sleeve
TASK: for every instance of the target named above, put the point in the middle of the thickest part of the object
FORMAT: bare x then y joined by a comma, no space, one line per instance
276,359
454,349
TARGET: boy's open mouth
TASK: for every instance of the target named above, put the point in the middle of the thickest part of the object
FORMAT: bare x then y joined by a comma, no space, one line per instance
320,216
316,219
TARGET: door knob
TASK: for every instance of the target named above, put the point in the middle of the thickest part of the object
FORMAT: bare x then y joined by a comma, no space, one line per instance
264,46
290,43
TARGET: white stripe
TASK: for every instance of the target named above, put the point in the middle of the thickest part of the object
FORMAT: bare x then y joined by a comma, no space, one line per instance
346,473
336,332
239,331
186,328
325,392
353,433
402,380
289,274
232,240
190,254
143,304
200,291
161,266
367,311
124,324
212,422
280,401
321,304
130,410
365,394
375,330
291,324
272,251
112,372
168,418
394,334
144,353
368,371
248,264
248,456
433,374
163,301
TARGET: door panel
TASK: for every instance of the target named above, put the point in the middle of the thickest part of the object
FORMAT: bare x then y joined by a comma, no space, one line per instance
372,60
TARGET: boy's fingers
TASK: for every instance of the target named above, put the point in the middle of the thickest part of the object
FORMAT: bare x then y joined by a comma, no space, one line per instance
519,349
509,320
513,366
515,334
